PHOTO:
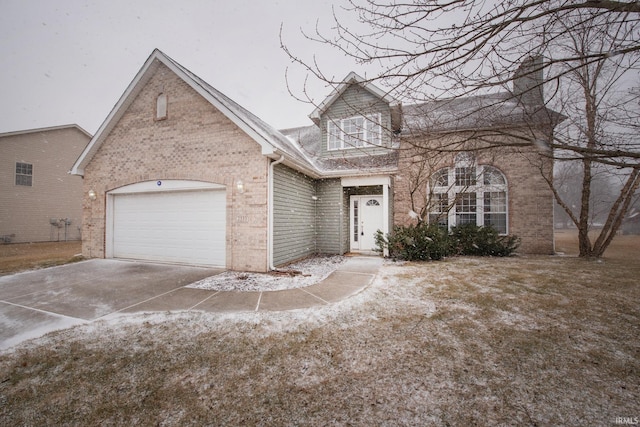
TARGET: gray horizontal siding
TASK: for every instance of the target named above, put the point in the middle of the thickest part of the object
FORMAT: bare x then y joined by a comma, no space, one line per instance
330,214
357,101
294,212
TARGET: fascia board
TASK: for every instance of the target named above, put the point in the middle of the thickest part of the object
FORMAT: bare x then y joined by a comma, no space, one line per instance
134,87
352,78
45,129
293,164
237,119
356,181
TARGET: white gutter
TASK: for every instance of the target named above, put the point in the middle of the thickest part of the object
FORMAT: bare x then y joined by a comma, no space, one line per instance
270,222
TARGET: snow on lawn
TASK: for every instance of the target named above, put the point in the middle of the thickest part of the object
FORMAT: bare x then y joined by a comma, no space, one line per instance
466,341
298,275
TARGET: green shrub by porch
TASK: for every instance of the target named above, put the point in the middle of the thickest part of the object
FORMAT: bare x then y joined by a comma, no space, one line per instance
420,242
423,242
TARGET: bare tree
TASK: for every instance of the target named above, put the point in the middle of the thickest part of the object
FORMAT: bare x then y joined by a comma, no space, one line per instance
602,118
587,53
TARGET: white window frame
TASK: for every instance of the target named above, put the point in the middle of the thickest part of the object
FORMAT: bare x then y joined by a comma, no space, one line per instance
354,132
24,174
479,188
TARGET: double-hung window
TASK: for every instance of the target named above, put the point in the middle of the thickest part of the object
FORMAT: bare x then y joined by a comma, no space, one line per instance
24,174
354,132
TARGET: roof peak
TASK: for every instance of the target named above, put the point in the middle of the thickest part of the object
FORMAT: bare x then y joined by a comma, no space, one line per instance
339,89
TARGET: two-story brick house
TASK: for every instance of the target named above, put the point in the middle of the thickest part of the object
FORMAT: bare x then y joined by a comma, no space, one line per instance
178,172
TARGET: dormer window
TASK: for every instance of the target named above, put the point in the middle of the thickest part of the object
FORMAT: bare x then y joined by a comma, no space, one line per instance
354,132
161,107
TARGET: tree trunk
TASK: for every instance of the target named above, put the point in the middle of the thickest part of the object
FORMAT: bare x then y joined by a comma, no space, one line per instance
617,213
584,244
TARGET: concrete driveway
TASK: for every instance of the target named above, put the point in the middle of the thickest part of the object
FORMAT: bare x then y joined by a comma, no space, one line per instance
35,302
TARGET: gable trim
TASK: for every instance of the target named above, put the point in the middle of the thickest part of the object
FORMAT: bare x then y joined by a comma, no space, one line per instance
352,78
135,87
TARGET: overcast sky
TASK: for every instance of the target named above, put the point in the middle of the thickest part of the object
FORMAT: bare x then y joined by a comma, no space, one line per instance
69,61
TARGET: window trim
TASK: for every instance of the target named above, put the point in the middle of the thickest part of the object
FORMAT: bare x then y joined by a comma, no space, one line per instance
162,107
453,192
28,174
338,138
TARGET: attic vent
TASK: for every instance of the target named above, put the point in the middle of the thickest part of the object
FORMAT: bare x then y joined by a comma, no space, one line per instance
161,107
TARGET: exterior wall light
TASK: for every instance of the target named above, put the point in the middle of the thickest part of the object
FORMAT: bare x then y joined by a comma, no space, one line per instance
92,194
314,198
240,186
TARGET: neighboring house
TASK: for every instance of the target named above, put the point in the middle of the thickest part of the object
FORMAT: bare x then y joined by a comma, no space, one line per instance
39,200
180,173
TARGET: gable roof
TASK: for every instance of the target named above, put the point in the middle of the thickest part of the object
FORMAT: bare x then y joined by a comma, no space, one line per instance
272,142
46,129
352,78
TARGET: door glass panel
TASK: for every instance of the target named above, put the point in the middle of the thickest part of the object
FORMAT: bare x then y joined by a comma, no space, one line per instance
355,220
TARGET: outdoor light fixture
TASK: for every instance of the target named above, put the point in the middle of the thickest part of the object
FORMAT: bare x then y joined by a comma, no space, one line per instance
92,194
240,186
314,198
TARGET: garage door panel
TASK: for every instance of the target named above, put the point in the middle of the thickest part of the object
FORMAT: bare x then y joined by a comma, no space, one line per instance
184,227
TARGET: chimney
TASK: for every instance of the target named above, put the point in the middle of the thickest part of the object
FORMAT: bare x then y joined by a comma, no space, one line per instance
528,81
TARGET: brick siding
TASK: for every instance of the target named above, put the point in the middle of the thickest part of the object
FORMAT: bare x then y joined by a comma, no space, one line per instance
530,200
195,142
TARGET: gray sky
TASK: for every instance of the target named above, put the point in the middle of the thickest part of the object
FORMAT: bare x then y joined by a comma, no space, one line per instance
69,61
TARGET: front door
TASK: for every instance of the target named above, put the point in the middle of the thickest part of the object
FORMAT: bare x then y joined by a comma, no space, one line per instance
366,219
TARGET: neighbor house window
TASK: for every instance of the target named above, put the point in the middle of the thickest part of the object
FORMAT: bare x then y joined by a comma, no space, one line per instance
24,174
469,194
354,132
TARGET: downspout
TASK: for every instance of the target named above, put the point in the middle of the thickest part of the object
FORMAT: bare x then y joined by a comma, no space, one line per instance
270,222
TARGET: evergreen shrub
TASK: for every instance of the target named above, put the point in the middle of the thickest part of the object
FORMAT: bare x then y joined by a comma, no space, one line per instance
420,242
424,242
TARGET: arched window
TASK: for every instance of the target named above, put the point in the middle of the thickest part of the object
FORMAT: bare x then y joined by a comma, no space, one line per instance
469,194
161,107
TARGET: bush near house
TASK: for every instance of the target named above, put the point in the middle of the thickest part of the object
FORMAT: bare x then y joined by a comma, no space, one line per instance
424,242
469,239
421,242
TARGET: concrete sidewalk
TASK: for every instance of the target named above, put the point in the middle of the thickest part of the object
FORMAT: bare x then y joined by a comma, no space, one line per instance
350,278
36,302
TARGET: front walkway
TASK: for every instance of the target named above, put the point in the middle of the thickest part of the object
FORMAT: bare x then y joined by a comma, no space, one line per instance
350,278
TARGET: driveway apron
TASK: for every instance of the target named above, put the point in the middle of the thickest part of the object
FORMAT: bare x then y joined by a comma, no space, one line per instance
36,301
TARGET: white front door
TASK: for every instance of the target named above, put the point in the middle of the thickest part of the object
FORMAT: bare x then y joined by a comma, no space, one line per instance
365,219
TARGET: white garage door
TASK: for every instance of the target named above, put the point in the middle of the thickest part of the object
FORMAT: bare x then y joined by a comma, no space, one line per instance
177,226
